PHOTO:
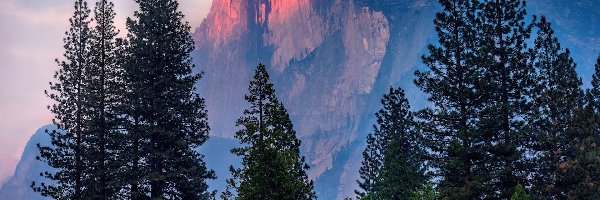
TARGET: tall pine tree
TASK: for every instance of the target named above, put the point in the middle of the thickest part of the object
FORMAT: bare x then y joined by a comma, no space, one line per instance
68,150
595,90
272,165
520,194
371,165
556,98
392,166
508,78
105,86
451,127
578,171
168,120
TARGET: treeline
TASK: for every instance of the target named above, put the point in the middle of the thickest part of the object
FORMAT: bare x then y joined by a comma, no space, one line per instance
508,119
130,121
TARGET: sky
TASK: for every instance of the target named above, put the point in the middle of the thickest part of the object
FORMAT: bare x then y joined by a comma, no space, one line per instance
31,33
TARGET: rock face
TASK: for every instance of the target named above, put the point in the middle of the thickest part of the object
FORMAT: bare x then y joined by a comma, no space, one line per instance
330,60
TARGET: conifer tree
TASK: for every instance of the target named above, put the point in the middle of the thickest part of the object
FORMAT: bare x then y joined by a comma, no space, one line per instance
595,90
556,98
457,148
425,192
167,118
578,171
392,166
508,78
520,193
105,86
272,165
66,155
371,165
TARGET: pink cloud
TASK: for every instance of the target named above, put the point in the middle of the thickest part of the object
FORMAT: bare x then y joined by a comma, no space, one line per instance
30,40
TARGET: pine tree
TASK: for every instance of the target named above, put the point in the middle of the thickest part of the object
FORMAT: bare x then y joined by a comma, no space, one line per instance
167,119
556,98
520,193
508,78
578,172
595,90
66,155
392,167
425,192
105,86
451,127
272,165
371,165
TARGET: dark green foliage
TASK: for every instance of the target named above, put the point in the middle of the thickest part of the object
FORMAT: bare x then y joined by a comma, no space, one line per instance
451,127
104,86
426,192
85,151
392,166
508,78
578,171
69,145
400,174
595,90
371,165
520,193
167,119
478,81
272,165
556,97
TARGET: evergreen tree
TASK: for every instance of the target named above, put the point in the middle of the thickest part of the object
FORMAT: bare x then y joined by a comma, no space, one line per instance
595,90
401,172
105,87
371,165
458,150
426,192
520,193
502,52
578,171
272,165
66,155
556,98
167,119
392,167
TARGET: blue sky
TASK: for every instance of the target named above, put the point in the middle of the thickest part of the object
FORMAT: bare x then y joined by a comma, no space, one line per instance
30,39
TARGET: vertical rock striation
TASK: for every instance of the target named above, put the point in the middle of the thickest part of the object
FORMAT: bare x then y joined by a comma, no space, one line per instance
327,59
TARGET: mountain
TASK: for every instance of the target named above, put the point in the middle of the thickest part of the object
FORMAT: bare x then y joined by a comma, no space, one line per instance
28,169
330,61
216,151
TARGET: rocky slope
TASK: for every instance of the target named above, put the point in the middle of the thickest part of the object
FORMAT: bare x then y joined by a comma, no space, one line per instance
28,169
331,61
216,151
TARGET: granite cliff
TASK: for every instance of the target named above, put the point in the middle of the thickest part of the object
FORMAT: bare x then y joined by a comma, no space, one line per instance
331,61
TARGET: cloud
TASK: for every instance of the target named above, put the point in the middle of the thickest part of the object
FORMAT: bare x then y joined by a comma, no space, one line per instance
30,39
